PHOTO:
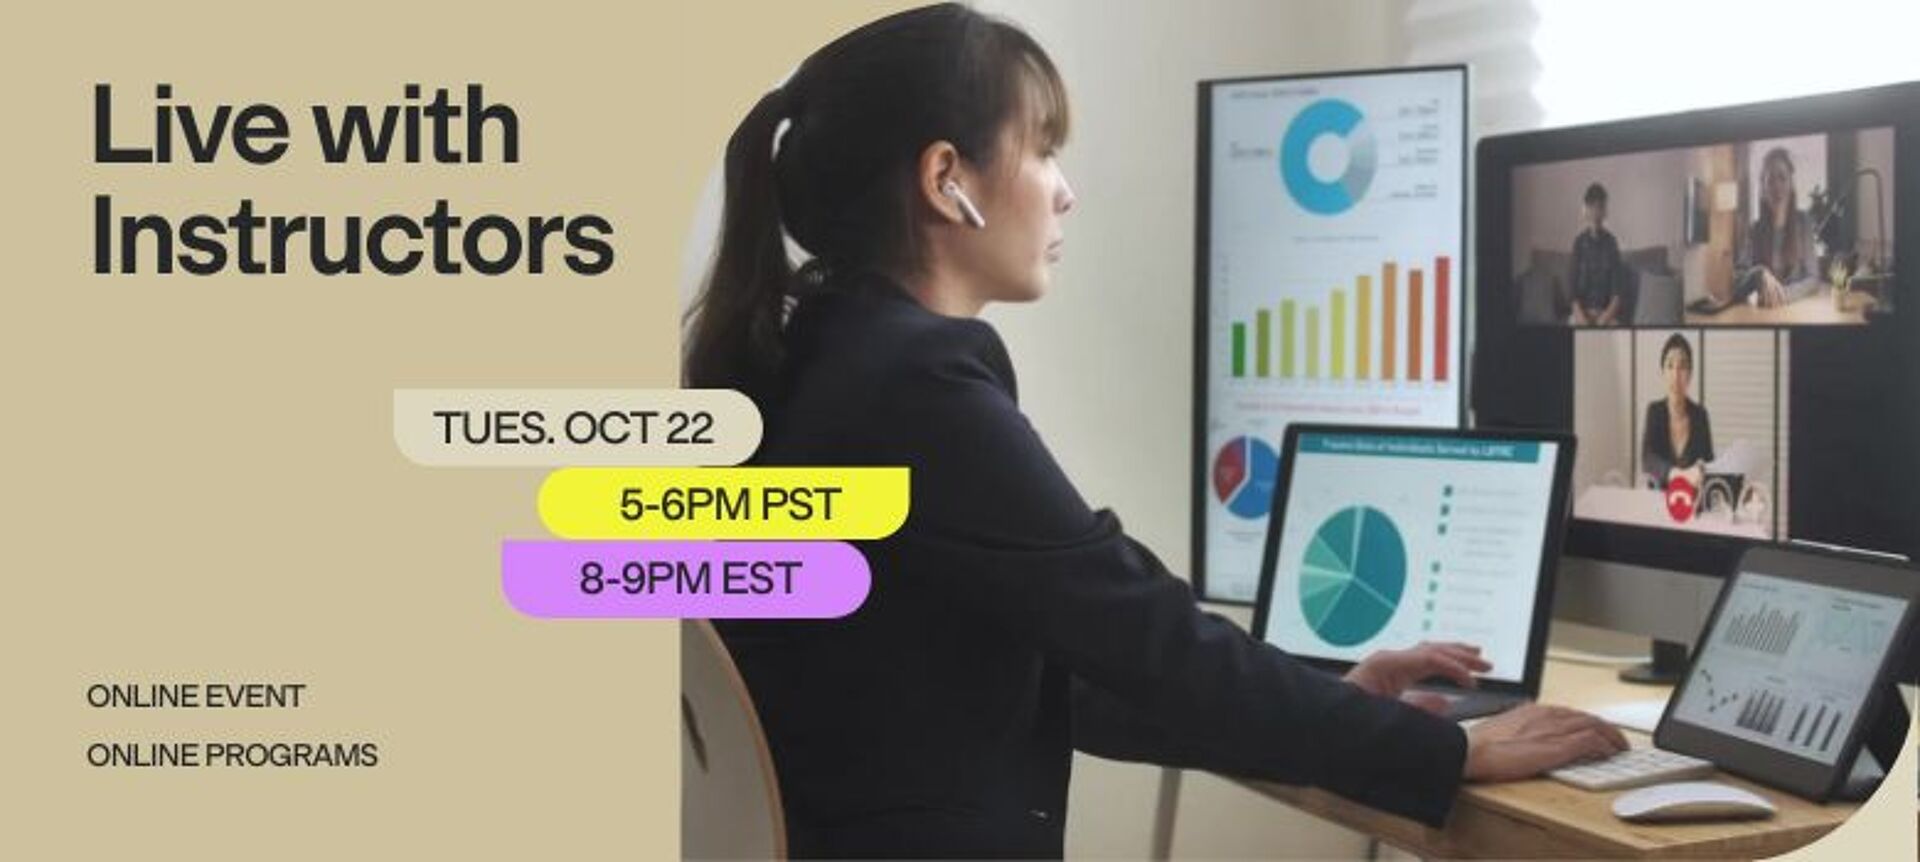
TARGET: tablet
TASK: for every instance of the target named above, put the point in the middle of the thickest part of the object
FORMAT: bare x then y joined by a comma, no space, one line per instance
1794,666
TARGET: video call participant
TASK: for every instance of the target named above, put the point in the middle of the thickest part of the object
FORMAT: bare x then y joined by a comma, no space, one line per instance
1009,623
1779,265
1595,273
1677,438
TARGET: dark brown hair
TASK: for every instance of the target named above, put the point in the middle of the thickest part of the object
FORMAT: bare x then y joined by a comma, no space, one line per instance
1783,254
841,182
1677,342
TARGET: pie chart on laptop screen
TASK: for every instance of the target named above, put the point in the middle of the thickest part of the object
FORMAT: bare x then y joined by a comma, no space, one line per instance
1352,575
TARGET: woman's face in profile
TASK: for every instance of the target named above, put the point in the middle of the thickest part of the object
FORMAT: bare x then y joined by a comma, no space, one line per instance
1677,367
1025,198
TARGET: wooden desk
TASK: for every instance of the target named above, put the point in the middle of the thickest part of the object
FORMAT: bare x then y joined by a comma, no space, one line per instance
1816,308
1544,818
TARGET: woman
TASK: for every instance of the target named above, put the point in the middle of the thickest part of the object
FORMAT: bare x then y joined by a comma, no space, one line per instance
1677,438
1780,266
1008,624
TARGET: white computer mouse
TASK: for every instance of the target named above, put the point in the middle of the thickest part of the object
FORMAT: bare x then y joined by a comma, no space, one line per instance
1690,800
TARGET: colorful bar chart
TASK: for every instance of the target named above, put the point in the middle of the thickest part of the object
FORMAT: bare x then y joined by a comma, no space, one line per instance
1389,309
1338,303
1442,299
1262,342
1315,340
1286,338
1363,333
1413,324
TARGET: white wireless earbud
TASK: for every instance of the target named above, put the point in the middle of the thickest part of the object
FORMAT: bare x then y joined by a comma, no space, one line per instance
967,210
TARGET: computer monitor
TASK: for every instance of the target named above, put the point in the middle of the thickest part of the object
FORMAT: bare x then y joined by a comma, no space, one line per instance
1711,302
1329,233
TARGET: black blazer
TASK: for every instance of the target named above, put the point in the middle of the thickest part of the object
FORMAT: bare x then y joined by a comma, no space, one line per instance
1656,445
1010,624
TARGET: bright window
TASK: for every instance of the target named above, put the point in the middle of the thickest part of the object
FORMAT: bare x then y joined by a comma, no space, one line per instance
1625,58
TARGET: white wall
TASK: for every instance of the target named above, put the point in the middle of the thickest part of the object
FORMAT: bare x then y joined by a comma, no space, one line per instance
1105,361
1606,416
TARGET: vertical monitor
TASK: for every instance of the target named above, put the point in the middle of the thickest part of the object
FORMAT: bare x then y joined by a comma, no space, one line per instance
1330,231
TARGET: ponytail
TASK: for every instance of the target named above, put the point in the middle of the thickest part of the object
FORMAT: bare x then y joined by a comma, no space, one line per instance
734,341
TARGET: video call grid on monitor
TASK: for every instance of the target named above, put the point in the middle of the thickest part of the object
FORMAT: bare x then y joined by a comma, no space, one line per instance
1783,231
1711,302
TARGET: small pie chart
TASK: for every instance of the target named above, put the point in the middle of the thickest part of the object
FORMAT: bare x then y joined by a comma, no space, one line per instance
1352,576
1244,471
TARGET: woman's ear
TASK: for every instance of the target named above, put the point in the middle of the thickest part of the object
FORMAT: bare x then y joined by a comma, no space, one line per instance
940,164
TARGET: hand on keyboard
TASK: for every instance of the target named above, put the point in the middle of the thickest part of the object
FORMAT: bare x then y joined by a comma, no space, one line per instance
1390,673
1533,738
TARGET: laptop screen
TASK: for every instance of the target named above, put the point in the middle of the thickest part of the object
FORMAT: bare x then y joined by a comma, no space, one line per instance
1386,540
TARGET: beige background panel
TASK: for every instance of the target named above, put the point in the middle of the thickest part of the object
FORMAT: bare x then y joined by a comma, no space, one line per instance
163,527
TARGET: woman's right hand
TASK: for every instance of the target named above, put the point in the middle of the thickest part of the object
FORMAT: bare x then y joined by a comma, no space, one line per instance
1772,292
1533,738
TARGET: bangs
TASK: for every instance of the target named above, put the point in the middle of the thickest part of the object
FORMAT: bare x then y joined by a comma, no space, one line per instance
1038,110
1043,98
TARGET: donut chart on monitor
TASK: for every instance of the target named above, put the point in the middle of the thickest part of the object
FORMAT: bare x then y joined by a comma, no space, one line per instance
1327,117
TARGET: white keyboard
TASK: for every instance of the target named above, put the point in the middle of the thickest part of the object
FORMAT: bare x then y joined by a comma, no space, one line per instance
1634,767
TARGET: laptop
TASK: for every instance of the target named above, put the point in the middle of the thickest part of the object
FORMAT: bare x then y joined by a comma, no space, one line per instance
1382,538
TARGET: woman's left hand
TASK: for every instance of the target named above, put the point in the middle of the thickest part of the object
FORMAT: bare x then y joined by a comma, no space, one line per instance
1389,673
